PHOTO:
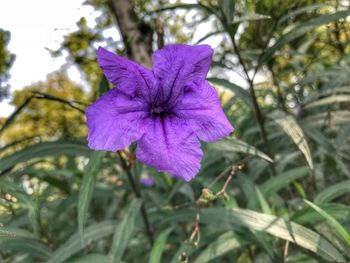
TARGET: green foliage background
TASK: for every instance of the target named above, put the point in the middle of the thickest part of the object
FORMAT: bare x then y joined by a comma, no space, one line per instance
277,190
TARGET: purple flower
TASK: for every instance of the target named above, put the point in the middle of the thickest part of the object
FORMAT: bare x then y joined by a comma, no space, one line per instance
166,110
146,180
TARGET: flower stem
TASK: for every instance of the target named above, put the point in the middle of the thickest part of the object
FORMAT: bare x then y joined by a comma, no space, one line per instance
138,194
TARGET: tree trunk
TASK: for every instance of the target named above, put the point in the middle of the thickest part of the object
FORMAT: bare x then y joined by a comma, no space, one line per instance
137,35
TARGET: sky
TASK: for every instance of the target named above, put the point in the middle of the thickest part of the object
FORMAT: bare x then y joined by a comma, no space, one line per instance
38,25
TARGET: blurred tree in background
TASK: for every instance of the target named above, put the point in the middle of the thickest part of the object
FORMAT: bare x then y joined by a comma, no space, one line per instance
278,190
6,61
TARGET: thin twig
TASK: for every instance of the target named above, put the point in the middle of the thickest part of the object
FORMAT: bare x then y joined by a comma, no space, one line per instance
138,194
223,190
196,231
286,251
159,26
258,113
40,95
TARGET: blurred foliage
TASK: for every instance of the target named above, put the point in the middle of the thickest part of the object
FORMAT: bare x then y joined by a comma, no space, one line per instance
6,61
44,116
289,101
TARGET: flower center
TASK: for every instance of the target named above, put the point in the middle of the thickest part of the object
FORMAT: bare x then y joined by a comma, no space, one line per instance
160,112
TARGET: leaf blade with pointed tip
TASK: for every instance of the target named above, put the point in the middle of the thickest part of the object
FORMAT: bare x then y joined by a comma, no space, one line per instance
294,131
332,221
73,245
158,247
124,231
234,145
91,171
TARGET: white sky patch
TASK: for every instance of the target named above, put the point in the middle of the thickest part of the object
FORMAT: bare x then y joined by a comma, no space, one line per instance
36,25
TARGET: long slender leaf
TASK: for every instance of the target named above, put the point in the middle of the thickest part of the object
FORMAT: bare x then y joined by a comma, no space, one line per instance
238,91
281,228
90,173
294,131
234,145
124,232
30,246
332,192
302,10
328,100
282,180
224,244
44,149
91,258
332,221
275,226
73,245
158,247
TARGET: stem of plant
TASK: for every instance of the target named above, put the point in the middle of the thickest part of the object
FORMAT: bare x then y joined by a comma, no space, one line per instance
137,193
257,110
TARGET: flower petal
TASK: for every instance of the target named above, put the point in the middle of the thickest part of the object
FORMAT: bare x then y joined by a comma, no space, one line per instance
115,121
126,75
202,109
170,146
177,64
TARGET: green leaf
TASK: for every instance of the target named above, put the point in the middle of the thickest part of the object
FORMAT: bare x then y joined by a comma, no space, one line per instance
328,100
44,149
91,258
73,245
274,184
87,187
294,131
124,232
14,232
306,215
263,202
237,90
224,244
228,10
301,30
275,226
332,192
158,247
234,145
29,246
237,218
331,221
299,11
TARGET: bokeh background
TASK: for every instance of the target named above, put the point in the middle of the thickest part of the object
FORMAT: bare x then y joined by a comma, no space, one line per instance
276,190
